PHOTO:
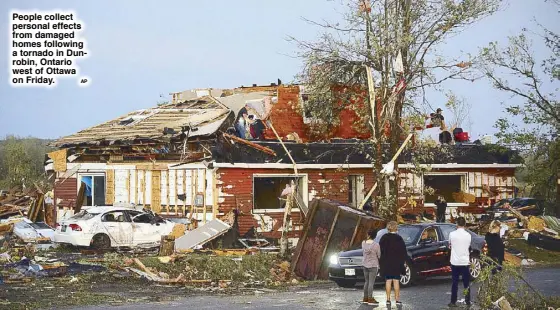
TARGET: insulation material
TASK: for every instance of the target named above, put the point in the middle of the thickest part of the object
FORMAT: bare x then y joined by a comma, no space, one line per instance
148,186
164,190
201,235
155,189
173,188
133,183
121,188
109,187
59,158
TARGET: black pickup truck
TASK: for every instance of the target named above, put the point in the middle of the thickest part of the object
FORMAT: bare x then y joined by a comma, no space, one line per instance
425,257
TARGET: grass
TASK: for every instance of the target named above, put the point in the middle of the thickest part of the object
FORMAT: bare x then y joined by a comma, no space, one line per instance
541,256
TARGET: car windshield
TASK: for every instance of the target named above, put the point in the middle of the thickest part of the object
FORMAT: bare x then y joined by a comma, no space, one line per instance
83,215
409,233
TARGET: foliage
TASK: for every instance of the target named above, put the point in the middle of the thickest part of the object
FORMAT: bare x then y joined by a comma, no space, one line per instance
379,36
460,112
494,286
374,39
515,70
22,161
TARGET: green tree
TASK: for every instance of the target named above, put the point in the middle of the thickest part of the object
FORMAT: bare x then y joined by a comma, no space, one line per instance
18,163
22,161
397,41
533,121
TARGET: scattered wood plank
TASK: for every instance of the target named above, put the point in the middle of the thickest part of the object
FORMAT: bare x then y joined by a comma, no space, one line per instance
258,147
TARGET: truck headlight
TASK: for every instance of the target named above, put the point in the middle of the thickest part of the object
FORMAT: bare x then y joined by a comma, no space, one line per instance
334,259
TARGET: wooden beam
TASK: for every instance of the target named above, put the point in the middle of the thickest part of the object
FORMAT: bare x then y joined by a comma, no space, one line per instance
128,186
176,189
327,243
167,191
261,148
355,231
361,206
215,194
136,187
204,188
144,188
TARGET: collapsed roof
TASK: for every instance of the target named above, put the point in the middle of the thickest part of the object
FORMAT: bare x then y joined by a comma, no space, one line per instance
196,118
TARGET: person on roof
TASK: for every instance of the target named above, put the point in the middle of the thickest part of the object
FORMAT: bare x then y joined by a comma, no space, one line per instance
436,119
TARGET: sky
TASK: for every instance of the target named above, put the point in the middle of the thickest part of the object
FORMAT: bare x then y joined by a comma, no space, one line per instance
140,50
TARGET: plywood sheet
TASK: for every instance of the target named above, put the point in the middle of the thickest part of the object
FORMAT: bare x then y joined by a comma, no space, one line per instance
155,188
109,186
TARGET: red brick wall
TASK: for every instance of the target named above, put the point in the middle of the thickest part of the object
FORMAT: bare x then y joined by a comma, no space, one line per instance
286,116
236,189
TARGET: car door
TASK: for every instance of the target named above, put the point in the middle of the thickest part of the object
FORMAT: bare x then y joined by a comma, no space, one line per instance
445,230
118,227
423,254
143,228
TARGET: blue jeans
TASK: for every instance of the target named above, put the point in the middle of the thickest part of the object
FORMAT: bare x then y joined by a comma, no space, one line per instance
369,276
465,274
240,130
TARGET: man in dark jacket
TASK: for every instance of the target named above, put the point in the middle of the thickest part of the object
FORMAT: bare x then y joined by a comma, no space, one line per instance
393,256
441,205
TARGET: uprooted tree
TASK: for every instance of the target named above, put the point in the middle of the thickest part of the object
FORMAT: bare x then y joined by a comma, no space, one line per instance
397,41
534,121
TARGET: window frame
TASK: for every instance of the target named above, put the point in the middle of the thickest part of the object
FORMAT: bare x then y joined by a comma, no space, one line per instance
437,235
464,187
354,179
295,209
92,174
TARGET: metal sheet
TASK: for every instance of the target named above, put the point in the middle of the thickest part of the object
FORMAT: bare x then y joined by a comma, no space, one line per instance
201,235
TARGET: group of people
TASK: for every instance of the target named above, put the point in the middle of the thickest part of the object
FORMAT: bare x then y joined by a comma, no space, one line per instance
385,251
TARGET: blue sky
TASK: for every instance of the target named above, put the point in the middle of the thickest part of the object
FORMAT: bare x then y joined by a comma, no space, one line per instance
141,49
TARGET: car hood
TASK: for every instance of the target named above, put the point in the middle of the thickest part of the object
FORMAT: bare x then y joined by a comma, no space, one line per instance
352,253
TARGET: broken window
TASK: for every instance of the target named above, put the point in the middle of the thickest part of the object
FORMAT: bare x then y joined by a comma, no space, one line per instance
94,194
355,189
443,185
270,192
115,216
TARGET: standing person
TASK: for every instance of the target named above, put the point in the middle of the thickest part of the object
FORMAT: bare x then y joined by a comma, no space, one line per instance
460,242
393,256
380,234
441,205
495,244
372,253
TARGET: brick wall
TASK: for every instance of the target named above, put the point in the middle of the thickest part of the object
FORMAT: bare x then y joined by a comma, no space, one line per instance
286,116
235,188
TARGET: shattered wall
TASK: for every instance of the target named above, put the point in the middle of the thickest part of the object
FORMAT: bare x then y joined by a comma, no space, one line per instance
484,183
235,188
287,117
165,189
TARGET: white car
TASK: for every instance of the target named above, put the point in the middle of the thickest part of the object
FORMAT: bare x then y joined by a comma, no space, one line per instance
105,227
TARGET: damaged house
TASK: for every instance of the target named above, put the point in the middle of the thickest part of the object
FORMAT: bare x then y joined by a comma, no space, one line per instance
210,152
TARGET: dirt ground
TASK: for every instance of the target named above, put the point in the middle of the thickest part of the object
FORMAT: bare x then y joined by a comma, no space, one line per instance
110,289
116,284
